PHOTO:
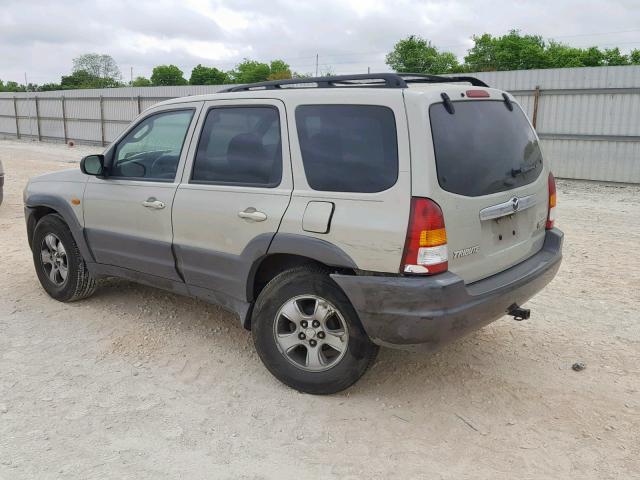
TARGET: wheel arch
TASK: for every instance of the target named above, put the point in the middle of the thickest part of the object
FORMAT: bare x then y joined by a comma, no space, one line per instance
39,205
289,251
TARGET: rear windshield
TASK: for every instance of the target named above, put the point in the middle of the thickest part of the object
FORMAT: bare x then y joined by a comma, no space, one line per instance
483,147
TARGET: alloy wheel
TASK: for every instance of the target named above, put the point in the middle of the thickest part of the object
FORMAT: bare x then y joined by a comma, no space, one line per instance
54,259
311,333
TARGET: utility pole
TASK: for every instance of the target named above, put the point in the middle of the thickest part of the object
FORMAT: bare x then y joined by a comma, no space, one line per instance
131,86
316,64
26,87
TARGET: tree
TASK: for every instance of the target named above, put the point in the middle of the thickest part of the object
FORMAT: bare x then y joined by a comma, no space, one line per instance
141,82
634,57
250,71
481,57
167,75
592,57
47,87
417,55
512,51
98,66
279,70
562,56
11,87
201,75
83,79
612,56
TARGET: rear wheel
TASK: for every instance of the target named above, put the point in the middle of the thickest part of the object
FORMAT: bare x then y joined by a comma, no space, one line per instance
58,262
307,333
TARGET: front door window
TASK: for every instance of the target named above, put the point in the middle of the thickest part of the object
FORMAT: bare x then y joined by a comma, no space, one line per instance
151,151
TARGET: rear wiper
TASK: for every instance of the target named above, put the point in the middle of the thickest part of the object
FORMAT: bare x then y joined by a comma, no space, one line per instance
522,170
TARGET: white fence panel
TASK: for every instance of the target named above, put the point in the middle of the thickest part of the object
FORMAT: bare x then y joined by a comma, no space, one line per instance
587,118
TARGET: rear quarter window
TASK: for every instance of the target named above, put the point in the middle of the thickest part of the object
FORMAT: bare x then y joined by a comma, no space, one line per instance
348,148
483,147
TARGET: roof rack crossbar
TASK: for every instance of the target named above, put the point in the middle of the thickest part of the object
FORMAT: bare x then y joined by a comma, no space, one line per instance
368,80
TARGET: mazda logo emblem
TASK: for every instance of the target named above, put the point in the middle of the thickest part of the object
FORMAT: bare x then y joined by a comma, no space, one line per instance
514,203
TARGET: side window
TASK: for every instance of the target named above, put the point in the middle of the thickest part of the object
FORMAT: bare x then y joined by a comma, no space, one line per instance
151,151
240,146
348,148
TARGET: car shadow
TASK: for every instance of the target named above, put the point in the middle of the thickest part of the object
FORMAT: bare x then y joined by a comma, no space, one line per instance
485,352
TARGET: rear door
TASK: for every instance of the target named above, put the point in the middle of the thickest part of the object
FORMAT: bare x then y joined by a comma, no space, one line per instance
235,190
488,176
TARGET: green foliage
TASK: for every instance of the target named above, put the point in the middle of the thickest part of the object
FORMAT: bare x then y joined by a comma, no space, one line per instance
509,52
141,82
515,51
417,55
279,70
413,54
11,87
250,71
612,56
562,56
166,75
47,87
84,79
201,75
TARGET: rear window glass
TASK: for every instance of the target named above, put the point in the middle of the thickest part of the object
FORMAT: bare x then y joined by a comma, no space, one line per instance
483,148
348,148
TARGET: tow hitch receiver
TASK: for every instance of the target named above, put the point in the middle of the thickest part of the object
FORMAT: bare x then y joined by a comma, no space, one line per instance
519,313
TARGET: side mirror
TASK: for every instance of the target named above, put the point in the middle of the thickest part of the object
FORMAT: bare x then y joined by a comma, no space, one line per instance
92,165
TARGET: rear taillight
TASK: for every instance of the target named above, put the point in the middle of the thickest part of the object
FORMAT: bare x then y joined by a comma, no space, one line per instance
425,249
551,213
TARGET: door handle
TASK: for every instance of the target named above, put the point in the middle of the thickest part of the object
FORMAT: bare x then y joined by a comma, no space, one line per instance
152,202
252,214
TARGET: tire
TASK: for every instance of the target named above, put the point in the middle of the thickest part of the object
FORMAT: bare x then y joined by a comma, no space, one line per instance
342,351
52,238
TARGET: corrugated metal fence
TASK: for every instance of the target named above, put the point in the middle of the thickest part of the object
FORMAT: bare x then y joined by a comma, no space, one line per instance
588,118
91,116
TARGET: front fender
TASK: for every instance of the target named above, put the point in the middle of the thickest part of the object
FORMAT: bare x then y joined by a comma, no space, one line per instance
35,201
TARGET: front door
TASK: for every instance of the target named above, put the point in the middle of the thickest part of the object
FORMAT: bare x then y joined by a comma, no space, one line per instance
127,214
236,187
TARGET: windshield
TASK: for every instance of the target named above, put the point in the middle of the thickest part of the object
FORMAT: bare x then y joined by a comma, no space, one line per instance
483,147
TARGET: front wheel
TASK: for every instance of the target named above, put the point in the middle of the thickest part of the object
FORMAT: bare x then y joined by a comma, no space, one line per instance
59,264
308,334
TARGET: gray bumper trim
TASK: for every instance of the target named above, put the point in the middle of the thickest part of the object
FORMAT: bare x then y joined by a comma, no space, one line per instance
427,312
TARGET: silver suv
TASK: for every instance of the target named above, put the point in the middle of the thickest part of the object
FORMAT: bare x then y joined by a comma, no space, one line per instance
332,215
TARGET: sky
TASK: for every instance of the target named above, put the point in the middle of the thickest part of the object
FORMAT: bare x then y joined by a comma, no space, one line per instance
41,38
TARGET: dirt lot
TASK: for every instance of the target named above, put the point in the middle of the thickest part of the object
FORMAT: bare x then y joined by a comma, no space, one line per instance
137,383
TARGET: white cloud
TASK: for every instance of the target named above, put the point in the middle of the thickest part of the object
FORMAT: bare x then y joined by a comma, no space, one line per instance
41,37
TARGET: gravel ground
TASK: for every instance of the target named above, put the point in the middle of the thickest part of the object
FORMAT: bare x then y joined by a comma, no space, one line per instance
136,383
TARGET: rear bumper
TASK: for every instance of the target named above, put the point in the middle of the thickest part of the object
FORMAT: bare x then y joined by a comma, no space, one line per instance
425,313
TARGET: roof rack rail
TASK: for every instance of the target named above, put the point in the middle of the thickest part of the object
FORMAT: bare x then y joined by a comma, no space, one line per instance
368,80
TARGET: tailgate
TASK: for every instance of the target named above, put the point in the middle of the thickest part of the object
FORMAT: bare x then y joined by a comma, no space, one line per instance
491,185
